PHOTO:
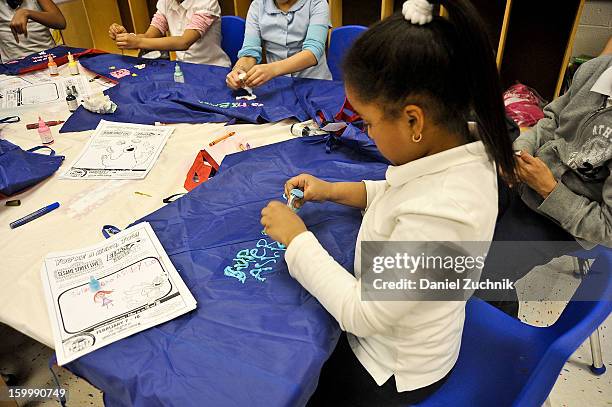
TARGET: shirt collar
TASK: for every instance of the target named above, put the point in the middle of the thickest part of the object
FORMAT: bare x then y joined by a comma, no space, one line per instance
175,5
401,174
270,7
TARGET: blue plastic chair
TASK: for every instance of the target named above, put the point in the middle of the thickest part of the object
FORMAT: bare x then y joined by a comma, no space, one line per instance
504,362
340,41
232,36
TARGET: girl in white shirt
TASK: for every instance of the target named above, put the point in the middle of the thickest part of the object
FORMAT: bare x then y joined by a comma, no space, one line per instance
415,79
194,27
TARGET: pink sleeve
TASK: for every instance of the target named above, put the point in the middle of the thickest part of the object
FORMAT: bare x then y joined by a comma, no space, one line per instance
159,21
201,22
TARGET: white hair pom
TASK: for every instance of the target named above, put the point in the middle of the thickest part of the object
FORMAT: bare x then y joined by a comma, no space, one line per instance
418,11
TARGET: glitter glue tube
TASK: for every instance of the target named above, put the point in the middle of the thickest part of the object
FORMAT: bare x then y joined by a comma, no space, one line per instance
295,194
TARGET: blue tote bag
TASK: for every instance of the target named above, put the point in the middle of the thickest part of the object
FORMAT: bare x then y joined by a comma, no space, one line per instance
21,169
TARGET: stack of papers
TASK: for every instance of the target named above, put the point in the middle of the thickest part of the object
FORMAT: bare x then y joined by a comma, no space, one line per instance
109,291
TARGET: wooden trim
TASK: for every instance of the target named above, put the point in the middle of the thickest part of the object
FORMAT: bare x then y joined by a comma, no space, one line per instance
241,7
569,49
503,35
335,12
386,9
77,33
101,14
139,12
443,12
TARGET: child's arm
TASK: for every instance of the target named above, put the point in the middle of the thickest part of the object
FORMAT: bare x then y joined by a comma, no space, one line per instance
50,16
260,74
154,37
316,190
174,43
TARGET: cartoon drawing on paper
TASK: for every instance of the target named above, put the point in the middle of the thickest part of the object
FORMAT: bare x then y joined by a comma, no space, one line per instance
127,154
147,292
101,297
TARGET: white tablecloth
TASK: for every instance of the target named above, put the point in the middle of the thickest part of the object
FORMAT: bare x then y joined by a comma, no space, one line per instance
86,206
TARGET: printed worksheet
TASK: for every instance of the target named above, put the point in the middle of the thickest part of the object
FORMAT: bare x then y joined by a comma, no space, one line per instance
28,91
119,151
109,291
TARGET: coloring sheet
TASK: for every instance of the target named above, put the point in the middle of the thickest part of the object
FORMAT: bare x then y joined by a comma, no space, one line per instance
29,92
109,291
119,151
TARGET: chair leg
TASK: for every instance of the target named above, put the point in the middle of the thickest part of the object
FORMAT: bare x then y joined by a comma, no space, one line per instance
598,366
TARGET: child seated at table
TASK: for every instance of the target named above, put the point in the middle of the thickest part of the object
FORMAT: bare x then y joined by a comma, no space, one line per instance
293,33
194,27
24,27
415,79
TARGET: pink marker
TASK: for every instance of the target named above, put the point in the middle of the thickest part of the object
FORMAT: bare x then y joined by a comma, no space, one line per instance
44,132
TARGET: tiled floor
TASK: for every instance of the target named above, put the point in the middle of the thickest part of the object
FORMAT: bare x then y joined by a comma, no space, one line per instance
576,386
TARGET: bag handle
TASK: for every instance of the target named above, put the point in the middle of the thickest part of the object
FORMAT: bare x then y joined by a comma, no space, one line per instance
31,150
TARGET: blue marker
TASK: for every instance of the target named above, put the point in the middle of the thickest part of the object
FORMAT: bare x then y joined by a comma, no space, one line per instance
34,215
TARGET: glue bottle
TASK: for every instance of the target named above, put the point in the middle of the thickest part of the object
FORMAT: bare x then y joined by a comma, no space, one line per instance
73,67
178,74
71,100
44,132
52,67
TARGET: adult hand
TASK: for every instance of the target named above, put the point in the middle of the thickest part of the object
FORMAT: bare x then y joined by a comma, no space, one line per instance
535,173
281,223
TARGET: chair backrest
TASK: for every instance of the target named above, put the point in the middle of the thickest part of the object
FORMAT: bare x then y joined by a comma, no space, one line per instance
232,36
590,306
340,41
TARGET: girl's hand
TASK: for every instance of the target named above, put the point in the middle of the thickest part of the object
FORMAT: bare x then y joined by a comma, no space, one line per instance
535,173
128,41
19,23
315,189
116,29
281,223
260,74
233,81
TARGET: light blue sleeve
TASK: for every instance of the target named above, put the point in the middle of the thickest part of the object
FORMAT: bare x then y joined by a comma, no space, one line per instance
251,47
316,37
319,14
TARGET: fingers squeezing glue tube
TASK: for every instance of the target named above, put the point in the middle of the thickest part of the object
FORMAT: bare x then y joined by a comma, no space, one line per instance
295,194
250,95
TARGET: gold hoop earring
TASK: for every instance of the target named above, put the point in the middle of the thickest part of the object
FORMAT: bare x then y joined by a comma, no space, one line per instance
417,139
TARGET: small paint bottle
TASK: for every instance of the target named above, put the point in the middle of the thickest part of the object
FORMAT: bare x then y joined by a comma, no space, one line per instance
75,92
71,100
73,67
52,67
44,132
178,74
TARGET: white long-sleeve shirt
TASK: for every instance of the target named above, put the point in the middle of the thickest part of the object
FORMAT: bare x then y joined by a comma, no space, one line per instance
450,196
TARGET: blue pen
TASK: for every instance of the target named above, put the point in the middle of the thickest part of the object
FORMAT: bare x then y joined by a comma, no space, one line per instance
34,215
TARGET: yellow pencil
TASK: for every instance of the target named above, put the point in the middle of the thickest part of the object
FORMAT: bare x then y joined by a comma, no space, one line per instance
220,139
